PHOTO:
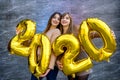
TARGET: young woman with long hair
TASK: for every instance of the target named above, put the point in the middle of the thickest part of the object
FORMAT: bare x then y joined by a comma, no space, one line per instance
52,31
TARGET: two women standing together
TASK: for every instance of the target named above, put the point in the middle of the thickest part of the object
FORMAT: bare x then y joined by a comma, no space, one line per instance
59,24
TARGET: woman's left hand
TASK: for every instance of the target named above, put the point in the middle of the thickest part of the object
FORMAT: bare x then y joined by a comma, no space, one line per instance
45,74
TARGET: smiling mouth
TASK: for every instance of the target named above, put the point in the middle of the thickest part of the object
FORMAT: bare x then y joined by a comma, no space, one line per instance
64,22
55,22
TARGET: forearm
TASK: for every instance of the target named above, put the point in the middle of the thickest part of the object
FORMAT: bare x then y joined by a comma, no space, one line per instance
52,61
94,34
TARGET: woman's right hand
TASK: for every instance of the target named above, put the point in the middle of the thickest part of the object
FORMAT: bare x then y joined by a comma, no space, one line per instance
113,34
17,31
59,64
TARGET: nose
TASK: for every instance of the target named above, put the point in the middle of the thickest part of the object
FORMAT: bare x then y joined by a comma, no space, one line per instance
56,19
63,20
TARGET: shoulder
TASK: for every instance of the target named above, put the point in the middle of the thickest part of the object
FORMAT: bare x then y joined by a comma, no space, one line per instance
77,27
56,31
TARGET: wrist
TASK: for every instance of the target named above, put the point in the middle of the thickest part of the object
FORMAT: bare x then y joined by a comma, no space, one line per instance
49,68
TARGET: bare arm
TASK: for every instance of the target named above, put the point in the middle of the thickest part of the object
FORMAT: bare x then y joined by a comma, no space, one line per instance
94,34
55,34
53,57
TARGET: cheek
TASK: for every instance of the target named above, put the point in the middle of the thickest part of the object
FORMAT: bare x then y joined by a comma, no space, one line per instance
58,21
51,21
68,21
62,23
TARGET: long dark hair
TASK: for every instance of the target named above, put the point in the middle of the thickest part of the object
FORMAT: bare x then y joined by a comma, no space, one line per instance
49,22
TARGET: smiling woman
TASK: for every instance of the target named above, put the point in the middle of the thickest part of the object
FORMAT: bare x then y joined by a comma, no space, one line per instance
39,46
84,64
52,31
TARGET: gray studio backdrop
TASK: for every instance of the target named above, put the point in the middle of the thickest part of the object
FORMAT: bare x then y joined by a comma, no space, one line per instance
13,67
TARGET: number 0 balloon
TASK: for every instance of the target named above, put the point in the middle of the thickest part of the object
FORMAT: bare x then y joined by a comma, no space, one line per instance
109,46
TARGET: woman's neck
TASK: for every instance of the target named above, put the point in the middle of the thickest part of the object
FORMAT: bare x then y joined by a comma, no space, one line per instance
65,28
52,27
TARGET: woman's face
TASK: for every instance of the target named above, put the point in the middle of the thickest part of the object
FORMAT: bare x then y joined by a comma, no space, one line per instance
65,21
55,20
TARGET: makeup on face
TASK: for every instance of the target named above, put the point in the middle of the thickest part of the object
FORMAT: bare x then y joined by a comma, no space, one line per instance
55,20
65,21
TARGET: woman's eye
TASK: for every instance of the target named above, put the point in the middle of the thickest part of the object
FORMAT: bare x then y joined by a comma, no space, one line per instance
67,18
58,19
54,17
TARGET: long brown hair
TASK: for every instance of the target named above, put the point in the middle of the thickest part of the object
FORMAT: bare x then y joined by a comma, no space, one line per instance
49,22
70,29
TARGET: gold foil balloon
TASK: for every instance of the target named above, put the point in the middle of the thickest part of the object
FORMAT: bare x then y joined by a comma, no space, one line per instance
27,29
103,29
26,42
72,50
38,67
19,43
16,47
